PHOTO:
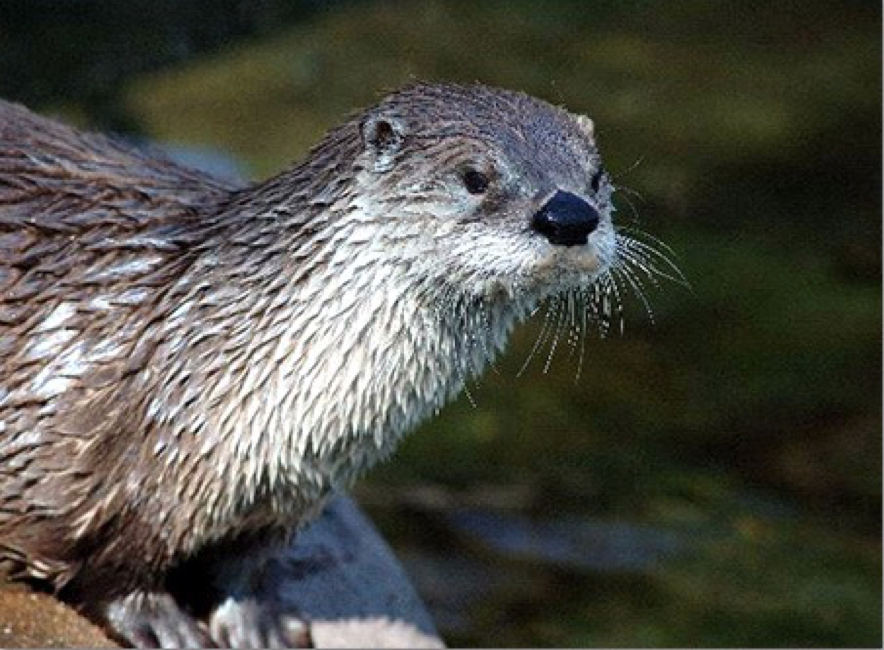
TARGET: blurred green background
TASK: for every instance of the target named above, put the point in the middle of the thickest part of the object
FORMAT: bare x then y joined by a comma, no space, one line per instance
713,477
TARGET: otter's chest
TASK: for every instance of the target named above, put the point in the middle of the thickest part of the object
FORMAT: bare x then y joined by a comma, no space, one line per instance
336,387
348,401
374,381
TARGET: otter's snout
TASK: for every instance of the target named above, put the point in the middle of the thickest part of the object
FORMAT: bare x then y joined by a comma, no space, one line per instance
565,220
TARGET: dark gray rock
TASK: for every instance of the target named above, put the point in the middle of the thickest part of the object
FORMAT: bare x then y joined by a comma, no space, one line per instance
343,580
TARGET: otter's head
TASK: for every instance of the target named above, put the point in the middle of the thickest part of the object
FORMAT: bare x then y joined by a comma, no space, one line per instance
497,192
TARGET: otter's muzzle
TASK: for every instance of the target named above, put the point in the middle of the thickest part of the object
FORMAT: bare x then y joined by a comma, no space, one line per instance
566,220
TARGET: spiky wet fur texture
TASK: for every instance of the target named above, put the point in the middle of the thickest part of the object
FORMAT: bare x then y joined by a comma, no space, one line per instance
184,363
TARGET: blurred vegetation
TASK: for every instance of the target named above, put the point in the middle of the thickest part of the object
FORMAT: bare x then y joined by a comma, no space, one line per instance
746,417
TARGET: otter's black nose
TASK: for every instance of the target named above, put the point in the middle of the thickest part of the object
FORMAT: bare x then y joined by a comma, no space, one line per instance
566,220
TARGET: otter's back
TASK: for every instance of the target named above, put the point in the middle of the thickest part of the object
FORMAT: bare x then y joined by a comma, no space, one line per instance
92,232
84,220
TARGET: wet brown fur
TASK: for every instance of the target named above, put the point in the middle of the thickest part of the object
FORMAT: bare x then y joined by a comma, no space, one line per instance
72,205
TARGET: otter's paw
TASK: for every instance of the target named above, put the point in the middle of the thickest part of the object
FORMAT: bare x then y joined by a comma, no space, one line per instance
245,623
154,620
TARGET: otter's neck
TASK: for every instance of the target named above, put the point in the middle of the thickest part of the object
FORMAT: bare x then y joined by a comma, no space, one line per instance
339,343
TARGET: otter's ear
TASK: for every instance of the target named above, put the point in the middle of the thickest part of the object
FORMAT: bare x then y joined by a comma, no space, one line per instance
586,125
383,137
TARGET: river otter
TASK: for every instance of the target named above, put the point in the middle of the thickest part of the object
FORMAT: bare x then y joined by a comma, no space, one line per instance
188,369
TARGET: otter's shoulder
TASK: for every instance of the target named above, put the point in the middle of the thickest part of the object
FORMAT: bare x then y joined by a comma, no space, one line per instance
81,209
91,230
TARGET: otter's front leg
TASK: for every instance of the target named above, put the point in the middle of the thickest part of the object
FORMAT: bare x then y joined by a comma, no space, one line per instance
225,586
246,621
148,619
249,616
241,619
212,600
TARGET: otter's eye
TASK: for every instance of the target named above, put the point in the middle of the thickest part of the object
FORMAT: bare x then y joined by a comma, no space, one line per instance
596,181
475,182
